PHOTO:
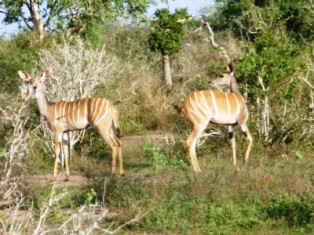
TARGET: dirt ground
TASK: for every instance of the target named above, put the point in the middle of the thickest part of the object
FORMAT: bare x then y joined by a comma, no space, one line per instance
130,143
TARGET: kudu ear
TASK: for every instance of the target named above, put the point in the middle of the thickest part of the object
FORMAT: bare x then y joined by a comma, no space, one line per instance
25,76
47,73
231,69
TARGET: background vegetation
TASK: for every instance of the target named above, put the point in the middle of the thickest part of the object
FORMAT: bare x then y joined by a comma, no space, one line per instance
271,44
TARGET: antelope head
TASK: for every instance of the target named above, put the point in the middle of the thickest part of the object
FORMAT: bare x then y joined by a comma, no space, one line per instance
35,82
225,78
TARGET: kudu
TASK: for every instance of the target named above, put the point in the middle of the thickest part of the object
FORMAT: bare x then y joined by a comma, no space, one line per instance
64,116
213,106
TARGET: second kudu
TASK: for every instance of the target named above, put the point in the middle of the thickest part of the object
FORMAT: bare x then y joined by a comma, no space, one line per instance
213,106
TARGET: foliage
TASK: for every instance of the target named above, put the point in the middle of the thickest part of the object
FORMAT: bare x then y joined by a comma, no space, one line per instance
297,211
10,60
75,15
93,34
159,159
167,31
273,62
249,18
166,157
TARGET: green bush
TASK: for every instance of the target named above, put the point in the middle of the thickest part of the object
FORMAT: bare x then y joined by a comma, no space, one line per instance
296,211
158,158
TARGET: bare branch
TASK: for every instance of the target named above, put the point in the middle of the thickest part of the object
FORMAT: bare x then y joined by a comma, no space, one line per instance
212,40
305,79
25,20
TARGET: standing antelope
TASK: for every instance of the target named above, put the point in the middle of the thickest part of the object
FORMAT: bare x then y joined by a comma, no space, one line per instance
64,116
202,107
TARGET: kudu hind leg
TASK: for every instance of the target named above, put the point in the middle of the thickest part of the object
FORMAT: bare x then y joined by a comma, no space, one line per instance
119,153
233,144
191,145
116,147
250,139
119,146
116,153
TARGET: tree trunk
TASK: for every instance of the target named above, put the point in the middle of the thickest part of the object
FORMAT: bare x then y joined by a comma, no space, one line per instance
37,21
167,70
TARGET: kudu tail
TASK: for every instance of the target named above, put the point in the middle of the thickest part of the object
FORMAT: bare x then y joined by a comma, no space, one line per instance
178,108
116,123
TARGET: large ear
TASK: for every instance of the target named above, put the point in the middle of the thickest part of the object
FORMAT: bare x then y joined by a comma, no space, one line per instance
25,76
47,73
231,68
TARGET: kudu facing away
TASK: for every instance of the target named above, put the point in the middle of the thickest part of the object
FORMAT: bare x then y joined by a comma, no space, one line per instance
202,107
64,116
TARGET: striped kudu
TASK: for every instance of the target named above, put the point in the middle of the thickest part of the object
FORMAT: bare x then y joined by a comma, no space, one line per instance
64,116
202,107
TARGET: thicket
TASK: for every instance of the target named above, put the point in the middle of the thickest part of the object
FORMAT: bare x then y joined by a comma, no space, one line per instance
274,68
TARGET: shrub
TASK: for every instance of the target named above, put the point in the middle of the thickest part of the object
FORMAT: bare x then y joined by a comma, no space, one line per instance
296,211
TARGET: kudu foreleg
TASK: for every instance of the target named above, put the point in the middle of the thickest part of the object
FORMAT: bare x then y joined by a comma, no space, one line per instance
60,149
57,148
66,154
233,144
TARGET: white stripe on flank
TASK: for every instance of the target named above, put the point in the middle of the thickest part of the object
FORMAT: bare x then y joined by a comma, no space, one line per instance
77,118
91,110
215,105
238,105
99,111
228,105
205,102
201,117
195,109
85,119
73,114
104,115
70,113
64,112
95,109
199,105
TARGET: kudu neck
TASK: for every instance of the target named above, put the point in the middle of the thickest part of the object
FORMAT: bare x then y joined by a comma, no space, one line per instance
42,101
233,85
